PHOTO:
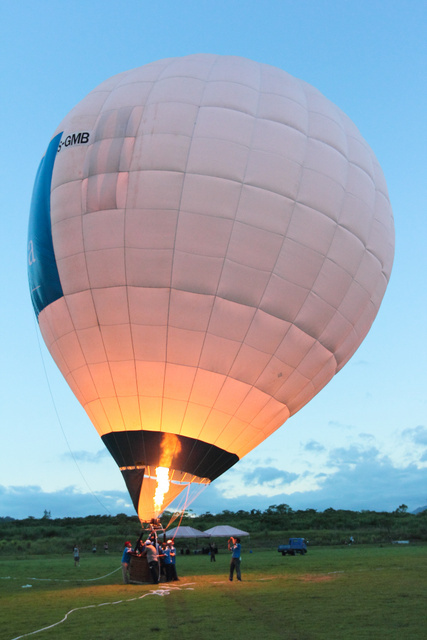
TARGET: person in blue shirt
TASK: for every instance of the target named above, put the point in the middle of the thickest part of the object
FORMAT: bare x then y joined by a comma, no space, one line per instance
234,547
167,561
172,555
125,561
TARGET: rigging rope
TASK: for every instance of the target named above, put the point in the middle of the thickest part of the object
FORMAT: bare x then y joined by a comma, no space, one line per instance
61,426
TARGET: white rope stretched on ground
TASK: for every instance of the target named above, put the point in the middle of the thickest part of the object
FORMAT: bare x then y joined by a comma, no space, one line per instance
78,579
161,591
63,579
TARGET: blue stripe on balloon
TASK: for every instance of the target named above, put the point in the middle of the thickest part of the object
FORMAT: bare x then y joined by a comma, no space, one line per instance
43,276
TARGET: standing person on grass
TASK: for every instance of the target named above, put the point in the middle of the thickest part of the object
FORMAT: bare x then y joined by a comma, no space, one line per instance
76,554
125,561
152,556
234,547
172,555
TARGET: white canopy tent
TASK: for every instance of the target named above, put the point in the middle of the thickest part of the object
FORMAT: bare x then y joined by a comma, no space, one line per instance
186,532
225,531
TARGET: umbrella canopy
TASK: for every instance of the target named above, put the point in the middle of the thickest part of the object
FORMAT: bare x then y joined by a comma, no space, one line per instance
225,530
186,532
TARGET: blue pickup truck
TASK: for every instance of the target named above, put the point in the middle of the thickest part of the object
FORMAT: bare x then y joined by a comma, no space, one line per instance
296,545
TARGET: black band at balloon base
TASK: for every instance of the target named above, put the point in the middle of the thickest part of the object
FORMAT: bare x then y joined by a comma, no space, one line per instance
154,448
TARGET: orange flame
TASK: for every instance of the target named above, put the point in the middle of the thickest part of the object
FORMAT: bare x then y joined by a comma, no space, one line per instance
162,474
170,446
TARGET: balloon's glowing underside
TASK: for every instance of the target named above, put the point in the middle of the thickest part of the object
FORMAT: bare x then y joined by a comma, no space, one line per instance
210,241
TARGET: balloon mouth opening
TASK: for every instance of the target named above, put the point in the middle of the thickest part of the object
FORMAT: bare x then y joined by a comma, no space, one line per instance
175,476
154,488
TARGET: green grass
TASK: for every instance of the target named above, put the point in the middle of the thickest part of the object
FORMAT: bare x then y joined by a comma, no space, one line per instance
371,592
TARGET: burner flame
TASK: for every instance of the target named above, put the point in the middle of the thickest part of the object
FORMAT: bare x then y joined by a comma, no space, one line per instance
162,488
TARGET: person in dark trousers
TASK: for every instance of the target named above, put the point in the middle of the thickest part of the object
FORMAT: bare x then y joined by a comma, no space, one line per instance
234,547
127,551
172,555
167,562
150,552
212,552
76,554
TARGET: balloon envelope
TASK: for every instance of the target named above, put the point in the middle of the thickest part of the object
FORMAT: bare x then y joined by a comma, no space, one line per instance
210,240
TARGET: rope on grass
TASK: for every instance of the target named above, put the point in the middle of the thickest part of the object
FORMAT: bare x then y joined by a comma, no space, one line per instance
63,579
162,591
77,579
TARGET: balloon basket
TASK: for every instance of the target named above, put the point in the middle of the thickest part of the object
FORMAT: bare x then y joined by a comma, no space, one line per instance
139,571
153,525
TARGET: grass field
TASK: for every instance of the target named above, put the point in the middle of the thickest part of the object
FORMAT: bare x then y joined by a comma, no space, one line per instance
331,593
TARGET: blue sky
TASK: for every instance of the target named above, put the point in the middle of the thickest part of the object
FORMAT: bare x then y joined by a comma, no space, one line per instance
362,442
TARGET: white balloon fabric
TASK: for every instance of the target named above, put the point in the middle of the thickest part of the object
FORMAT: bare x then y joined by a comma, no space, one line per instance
210,241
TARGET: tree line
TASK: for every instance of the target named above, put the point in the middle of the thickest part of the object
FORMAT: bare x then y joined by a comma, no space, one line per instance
266,528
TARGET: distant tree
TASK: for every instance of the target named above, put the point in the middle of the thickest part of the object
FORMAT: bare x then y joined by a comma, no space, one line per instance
241,513
119,517
403,508
227,514
46,515
284,508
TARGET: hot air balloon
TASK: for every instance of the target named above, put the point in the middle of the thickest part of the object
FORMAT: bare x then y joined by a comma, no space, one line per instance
210,240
